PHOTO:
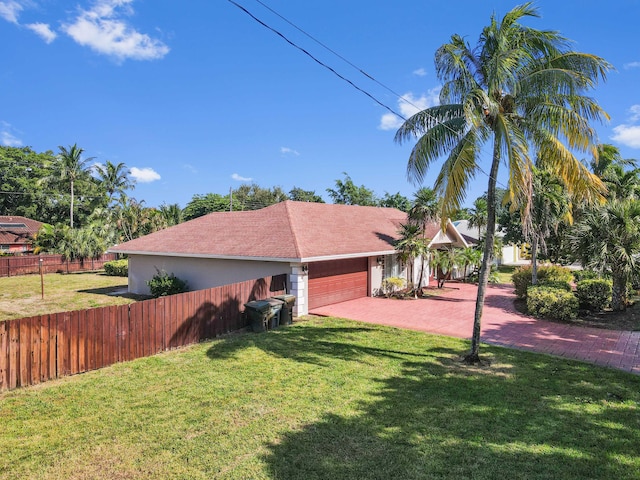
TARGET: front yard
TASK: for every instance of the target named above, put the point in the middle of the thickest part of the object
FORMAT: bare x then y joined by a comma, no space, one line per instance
22,296
327,399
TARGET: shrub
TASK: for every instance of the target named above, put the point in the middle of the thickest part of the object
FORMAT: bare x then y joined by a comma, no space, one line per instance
163,284
559,284
594,294
580,275
553,303
117,268
547,274
391,285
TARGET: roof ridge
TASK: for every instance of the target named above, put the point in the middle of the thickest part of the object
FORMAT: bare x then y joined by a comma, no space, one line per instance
294,235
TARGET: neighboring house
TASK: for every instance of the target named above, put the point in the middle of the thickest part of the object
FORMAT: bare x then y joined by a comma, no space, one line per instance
17,234
511,254
330,253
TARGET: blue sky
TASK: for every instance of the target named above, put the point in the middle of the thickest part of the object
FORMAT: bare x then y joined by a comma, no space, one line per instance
197,97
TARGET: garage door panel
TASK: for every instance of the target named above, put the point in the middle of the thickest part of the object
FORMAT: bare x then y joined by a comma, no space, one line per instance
337,281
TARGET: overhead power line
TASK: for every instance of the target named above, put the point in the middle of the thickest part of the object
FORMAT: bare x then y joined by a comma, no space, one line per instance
293,44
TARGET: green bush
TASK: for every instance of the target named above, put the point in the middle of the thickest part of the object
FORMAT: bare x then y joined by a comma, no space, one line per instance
560,284
580,275
163,284
547,274
117,268
553,303
594,294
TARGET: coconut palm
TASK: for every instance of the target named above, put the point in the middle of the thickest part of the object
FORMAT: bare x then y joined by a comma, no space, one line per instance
521,89
114,178
424,211
608,240
72,167
172,214
410,245
478,215
549,205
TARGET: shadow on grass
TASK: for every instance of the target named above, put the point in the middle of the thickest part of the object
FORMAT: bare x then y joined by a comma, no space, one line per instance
528,416
115,291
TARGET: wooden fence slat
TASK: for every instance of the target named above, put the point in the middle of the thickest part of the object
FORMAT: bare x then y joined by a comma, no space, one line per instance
36,327
159,325
4,356
25,351
14,353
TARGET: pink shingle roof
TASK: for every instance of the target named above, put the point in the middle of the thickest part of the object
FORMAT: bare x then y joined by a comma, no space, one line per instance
288,231
15,233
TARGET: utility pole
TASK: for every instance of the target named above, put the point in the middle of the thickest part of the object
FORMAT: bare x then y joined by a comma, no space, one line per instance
231,199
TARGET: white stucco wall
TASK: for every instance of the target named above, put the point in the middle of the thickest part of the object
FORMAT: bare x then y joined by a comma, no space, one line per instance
375,276
200,273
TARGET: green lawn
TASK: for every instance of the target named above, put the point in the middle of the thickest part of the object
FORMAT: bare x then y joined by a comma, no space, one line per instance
504,273
21,296
327,399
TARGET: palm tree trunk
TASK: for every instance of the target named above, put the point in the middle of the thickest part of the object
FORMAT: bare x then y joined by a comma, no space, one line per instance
619,293
534,260
485,269
71,209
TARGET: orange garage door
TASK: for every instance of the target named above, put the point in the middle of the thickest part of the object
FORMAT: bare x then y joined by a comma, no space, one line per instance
337,281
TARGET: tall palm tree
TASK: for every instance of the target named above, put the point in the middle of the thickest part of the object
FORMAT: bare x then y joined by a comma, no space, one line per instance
410,246
548,206
521,89
171,213
478,215
72,167
114,178
424,211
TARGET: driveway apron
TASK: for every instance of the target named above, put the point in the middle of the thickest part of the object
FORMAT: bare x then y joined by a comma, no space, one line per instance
451,313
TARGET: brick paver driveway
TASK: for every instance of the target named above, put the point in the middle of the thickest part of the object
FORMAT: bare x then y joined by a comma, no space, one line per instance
451,313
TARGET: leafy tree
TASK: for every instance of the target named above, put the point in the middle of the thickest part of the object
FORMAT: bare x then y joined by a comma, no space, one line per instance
425,208
202,204
395,201
254,197
114,178
20,172
300,195
469,257
521,89
607,240
347,193
443,262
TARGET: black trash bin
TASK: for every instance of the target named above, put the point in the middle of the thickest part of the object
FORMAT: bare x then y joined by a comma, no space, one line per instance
259,313
275,311
286,314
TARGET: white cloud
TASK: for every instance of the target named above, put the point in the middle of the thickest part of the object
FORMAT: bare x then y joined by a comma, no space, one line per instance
628,135
191,168
43,30
635,113
420,72
144,175
7,138
289,151
238,178
103,30
10,11
409,105
629,65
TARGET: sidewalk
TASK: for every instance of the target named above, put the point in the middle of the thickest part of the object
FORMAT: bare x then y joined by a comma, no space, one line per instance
452,314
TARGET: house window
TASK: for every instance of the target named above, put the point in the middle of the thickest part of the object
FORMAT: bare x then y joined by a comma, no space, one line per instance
393,267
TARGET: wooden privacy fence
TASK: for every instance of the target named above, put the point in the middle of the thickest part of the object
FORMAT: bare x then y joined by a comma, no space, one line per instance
28,264
37,349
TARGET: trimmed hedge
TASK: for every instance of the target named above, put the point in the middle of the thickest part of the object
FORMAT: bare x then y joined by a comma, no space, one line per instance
553,303
117,268
580,275
547,275
594,294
